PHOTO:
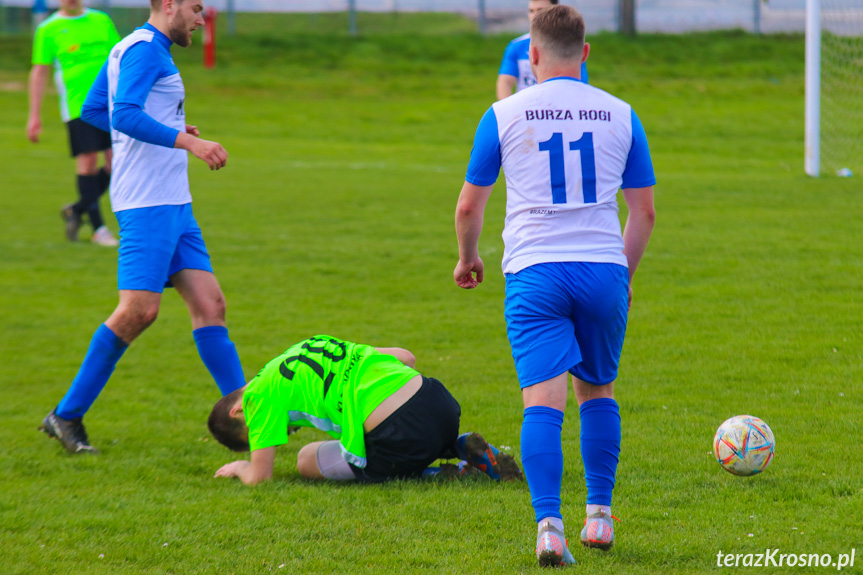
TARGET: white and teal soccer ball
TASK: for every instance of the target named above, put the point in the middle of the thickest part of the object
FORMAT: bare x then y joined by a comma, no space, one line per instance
743,445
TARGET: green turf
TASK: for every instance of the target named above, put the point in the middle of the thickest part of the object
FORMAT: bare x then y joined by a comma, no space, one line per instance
335,215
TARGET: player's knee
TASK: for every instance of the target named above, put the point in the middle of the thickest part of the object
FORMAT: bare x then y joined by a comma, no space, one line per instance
307,461
405,356
213,309
209,311
140,317
408,358
145,317
88,163
219,306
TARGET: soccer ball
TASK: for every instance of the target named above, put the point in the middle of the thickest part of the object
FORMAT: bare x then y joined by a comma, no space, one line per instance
743,445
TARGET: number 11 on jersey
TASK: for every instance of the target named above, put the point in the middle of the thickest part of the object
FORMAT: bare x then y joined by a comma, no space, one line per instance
557,169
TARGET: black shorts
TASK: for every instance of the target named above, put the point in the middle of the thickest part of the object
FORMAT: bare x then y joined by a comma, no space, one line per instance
84,137
419,432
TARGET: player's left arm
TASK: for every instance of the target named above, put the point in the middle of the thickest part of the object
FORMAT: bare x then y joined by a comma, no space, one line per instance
259,469
95,110
638,182
639,225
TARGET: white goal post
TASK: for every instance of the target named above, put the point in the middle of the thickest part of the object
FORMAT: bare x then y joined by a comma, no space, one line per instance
834,87
813,87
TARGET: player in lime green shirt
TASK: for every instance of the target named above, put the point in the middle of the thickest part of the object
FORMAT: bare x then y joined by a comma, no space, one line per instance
388,421
76,42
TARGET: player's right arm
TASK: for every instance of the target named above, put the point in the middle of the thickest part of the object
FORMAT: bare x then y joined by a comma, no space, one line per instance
259,469
139,71
482,173
505,85
507,76
38,82
42,59
211,152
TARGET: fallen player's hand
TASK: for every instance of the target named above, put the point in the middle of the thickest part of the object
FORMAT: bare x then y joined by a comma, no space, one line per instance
193,130
232,469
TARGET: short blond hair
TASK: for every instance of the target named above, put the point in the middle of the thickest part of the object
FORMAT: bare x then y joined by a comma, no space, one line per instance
559,30
156,5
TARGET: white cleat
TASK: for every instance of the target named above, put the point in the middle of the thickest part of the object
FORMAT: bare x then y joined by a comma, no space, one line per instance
598,531
551,548
104,237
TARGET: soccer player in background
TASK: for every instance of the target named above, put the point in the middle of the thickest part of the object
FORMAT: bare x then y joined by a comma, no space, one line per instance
140,97
388,421
565,148
515,72
76,41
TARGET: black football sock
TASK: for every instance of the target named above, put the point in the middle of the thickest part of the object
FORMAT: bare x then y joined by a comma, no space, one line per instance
104,180
89,189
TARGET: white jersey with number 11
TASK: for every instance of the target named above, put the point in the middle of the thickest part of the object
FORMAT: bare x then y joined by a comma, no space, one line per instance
565,148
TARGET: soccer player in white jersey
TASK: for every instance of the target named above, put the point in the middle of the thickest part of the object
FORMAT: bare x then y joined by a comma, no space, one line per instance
565,148
139,97
515,73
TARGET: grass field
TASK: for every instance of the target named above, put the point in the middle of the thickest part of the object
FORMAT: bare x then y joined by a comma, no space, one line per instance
335,215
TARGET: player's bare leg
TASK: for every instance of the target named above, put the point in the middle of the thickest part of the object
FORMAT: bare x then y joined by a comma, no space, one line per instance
137,311
203,296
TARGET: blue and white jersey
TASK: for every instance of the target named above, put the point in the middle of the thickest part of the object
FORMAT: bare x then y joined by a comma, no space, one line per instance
517,63
140,97
565,148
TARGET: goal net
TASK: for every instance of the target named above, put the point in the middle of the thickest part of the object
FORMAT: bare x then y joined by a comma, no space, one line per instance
840,26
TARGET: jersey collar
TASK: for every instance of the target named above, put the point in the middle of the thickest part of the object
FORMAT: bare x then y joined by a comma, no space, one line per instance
563,78
67,17
157,35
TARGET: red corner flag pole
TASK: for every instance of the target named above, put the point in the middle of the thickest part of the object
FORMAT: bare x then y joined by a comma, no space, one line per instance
210,36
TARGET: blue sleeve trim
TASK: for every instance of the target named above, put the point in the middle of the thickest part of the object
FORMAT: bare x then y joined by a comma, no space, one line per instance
95,110
639,167
139,70
485,162
509,64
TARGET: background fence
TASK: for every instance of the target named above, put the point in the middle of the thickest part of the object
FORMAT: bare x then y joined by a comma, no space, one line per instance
671,16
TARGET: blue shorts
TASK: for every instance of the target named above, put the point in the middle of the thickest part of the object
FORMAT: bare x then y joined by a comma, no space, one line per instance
156,243
568,316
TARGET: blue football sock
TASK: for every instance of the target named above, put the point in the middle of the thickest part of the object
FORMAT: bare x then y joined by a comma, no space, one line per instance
600,447
105,351
542,459
220,356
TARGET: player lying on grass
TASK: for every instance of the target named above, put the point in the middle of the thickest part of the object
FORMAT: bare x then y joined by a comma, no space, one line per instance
390,421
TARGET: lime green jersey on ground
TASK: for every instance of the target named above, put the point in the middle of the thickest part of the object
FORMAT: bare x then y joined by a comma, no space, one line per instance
322,382
77,46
